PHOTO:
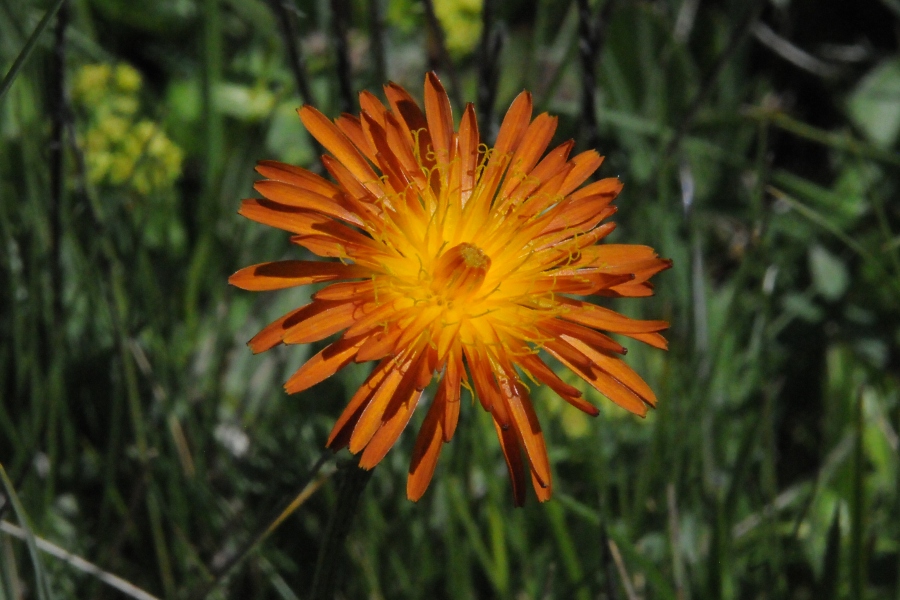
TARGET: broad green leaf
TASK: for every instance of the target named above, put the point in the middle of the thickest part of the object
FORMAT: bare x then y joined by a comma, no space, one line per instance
875,103
829,274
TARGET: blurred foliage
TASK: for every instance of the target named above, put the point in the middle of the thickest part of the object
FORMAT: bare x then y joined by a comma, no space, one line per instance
759,151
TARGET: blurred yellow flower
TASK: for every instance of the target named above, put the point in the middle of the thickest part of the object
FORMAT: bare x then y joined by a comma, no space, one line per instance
120,150
461,21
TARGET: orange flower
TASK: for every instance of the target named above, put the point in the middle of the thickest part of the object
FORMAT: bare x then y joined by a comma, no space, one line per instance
453,257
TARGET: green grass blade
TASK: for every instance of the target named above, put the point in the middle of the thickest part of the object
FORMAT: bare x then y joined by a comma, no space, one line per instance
831,562
128,589
28,49
43,588
857,508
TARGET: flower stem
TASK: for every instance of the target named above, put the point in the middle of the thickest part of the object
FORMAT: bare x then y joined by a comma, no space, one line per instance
350,489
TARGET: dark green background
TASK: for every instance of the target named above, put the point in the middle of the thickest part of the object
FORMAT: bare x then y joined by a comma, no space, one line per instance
139,432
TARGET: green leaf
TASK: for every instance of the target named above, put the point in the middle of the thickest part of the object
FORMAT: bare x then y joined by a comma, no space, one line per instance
875,103
829,274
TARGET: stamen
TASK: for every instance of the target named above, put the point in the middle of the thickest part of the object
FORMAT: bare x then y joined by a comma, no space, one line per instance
460,271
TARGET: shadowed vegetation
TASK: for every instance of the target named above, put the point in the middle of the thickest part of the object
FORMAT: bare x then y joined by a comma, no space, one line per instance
757,141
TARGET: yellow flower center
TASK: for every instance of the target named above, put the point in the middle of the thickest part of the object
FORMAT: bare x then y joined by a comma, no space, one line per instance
459,272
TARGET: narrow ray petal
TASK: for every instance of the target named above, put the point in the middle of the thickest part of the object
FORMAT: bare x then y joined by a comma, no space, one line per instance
439,117
427,449
324,364
289,273
509,443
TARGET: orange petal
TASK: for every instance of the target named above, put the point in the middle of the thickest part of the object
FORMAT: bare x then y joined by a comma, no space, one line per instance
598,317
534,143
289,273
527,427
568,243
509,443
394,422
581,282
331,318
599,380
581,214
425,373
616,367
454,376
540,371
283,217
652,339
351,186
348,245
558,328
439,117
334,140
514,125
271,335
616,255
413,121
351,126
348,290
543,492
609,188
468,153
290,195
340,433
391,311
402,148
483,379
380,344
385,157
584,166
370,103
427,449
423,320
371,417
302,178
550,165
324,364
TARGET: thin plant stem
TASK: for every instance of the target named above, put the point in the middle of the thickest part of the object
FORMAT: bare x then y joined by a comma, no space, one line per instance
740,33
311,485
591,35
379,48
857,505
353,482
296,63
42,585
339,12
488,69
57,156
440,39
212,76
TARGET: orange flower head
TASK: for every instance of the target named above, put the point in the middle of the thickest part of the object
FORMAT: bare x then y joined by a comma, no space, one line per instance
452,258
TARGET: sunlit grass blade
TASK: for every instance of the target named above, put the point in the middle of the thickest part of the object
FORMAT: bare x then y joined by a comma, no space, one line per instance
127,588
